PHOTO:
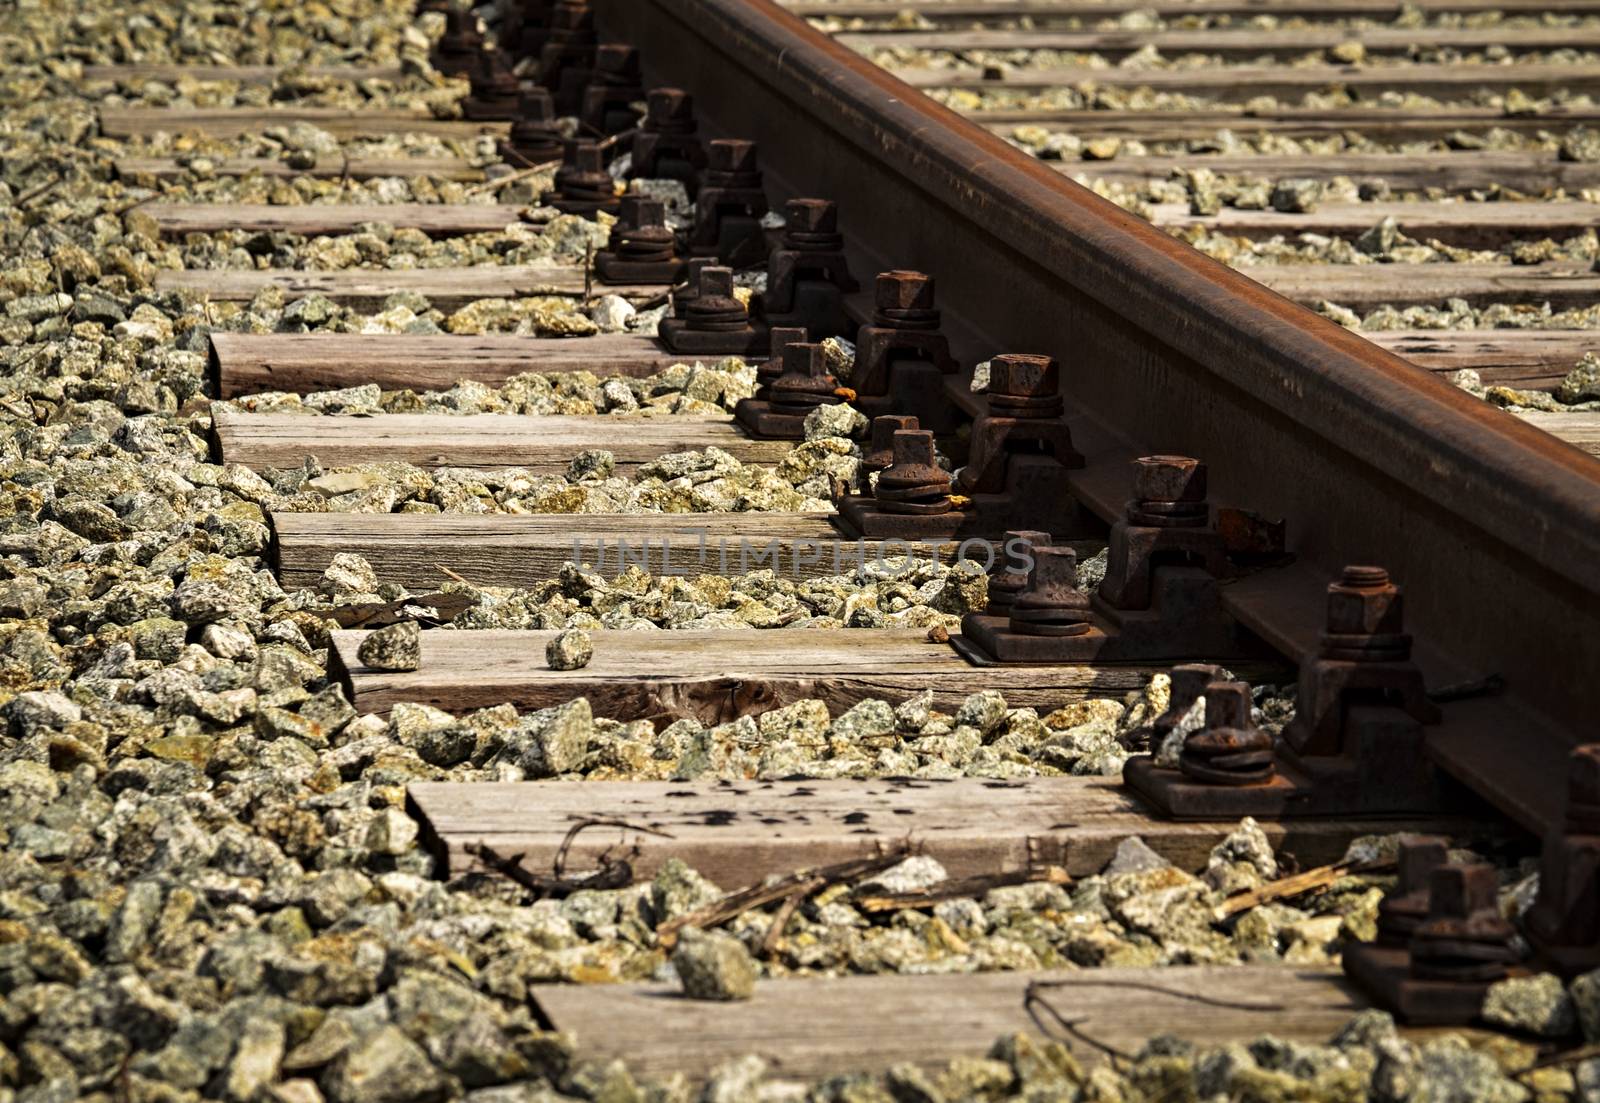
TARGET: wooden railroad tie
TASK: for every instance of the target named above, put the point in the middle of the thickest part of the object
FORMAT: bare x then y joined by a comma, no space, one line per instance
1456,172
1235,43
246,363
368,288
715,675
234,122
416,550
542,443
435,219
737,832
1245,82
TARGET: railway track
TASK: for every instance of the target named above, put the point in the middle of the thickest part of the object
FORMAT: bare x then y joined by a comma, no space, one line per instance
405,411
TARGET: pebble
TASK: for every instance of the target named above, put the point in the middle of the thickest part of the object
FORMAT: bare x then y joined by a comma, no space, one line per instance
569,650
397,647
713,966
1535,1005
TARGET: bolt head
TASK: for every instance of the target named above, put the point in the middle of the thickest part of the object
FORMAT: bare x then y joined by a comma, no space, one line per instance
913,446
640,210
716,281
1019,546
1456,891
1583,775
902,289
1419,856
586,156
669,105
615,57
784,336
1169,479
1024,375
536,105
1189,682
1228,705
1364,610
1054,568
804,358
885,426
811,216
731,155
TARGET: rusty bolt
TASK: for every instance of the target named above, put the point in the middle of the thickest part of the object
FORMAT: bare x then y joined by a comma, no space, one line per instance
716,283
1458,891
1024,375
536,106
804,358
784,336
914,448
669,105
638,211
904,290
1419,856
1169,479
1583,790
811,216
571,15
587,157
1019,546
616,58
731,155
1364,603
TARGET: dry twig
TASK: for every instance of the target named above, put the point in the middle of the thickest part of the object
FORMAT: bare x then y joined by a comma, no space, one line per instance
802,883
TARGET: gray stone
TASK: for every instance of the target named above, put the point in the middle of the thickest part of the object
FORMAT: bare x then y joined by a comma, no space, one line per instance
592,463
1585,994
1582,383
397,647
552,741
37,711
714,966
385,1066
1296,196
332,894
569,650
677,890
254,1065
1537,1004
984,710
837,420
916,872
1134,856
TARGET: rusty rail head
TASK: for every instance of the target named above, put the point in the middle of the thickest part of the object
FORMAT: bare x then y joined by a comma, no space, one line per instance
1492,525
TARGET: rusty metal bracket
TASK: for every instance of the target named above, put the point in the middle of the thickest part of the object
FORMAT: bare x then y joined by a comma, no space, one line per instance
714,322
1437,971
1016,475
901,355
1356,743
1564,922
808,275
615,85
804,384
730,205
667,146
641,249
582,185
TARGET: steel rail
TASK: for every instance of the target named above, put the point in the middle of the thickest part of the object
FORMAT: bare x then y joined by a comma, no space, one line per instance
1492,526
